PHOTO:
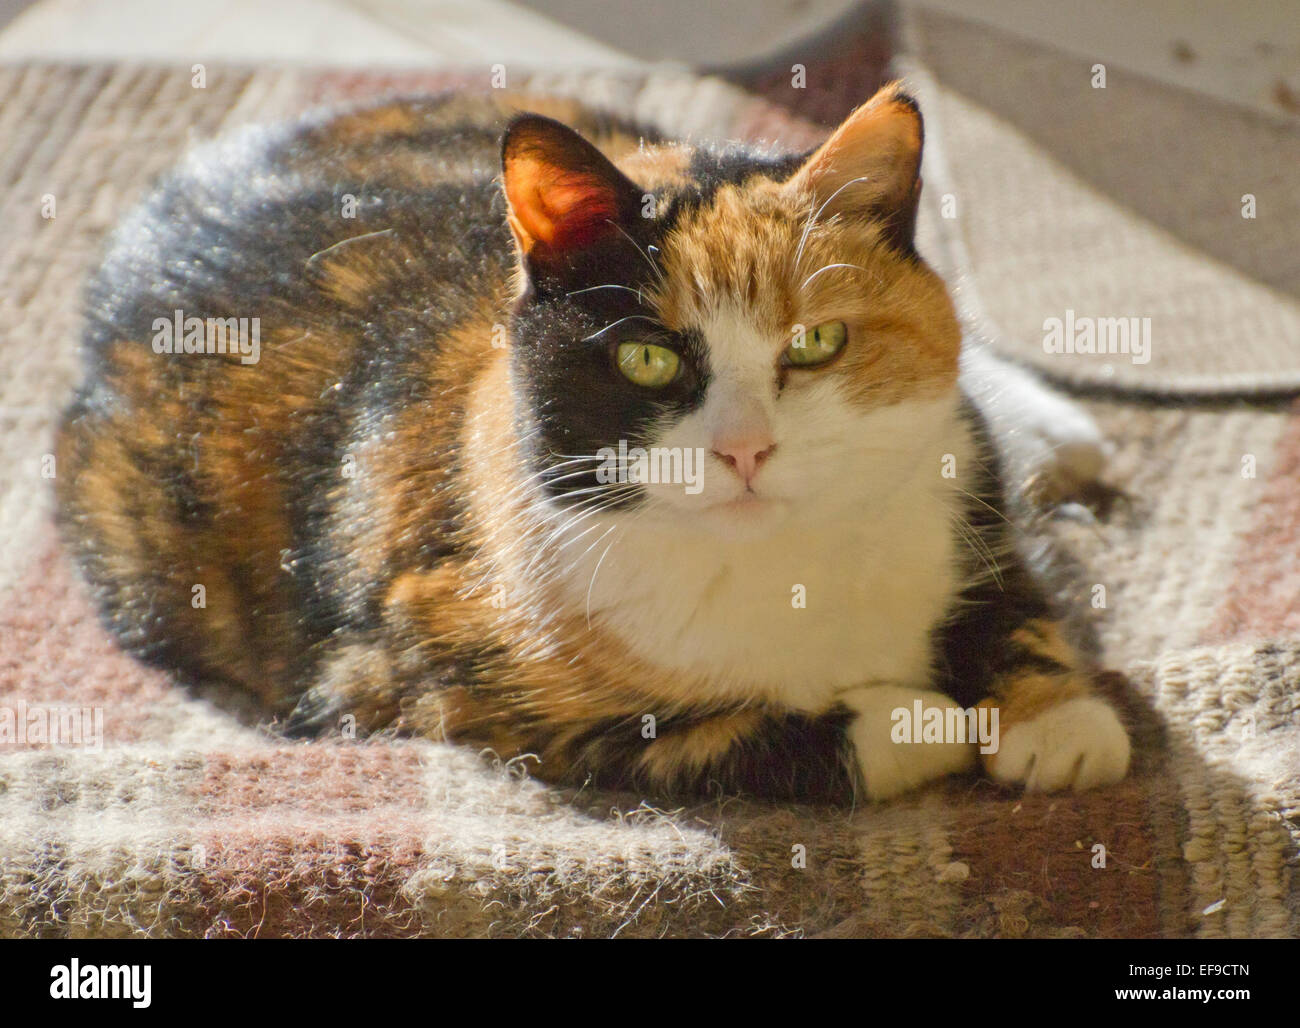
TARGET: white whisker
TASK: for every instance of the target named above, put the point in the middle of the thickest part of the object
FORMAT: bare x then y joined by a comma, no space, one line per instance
653,266
627,289
803,240
829,267
615,324
596,571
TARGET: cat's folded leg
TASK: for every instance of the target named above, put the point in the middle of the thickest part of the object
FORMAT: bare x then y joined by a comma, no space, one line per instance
892,756
1048,443
372,675
1054,732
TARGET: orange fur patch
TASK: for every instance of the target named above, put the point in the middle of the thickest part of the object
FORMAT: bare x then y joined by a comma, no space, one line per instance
739,252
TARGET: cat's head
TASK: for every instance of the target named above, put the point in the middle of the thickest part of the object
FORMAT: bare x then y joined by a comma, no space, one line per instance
759,326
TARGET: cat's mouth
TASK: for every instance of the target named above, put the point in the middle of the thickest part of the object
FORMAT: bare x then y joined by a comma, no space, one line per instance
744,503
750,514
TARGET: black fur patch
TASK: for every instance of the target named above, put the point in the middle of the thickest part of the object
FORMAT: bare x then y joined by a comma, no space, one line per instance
974,647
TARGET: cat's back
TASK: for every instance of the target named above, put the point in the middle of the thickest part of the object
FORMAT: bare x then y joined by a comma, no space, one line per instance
258,216
253,216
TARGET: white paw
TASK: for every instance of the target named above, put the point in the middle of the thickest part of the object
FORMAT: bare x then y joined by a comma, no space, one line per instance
889,767
1078,744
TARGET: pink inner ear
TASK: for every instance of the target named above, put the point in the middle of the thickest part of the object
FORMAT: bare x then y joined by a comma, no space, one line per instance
579,209
557,208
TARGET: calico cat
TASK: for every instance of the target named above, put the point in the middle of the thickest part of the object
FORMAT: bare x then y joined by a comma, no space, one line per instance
647,459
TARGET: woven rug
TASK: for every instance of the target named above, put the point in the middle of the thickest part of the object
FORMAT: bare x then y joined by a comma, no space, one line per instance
191,820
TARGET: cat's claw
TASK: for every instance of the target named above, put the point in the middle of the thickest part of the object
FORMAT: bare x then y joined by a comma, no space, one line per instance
1078,744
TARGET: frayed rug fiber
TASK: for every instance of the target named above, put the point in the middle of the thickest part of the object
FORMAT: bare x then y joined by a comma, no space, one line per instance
191,820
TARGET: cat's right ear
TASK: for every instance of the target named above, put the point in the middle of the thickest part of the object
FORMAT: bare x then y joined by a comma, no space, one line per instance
870,166
563,194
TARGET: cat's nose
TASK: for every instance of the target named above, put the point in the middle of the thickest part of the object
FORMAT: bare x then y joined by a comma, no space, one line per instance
744,454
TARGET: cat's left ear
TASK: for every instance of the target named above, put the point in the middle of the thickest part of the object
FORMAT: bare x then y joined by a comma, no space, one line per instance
871,166
563,193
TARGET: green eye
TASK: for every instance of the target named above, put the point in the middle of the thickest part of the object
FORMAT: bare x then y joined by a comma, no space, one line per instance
818,345
647,364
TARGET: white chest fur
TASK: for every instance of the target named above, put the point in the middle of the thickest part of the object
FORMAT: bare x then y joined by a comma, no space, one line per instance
793,622
842,595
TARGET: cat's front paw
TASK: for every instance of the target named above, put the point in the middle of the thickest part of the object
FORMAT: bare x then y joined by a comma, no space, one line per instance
891,767
1077,744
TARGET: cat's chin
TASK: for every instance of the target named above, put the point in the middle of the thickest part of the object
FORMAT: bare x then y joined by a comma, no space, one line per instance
745,518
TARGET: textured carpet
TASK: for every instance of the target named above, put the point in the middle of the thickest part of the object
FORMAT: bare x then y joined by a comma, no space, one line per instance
191,820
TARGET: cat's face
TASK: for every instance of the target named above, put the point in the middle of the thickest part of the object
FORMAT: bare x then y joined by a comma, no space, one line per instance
727,343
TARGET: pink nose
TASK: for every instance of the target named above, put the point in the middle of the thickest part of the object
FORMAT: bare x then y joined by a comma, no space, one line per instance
744,454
